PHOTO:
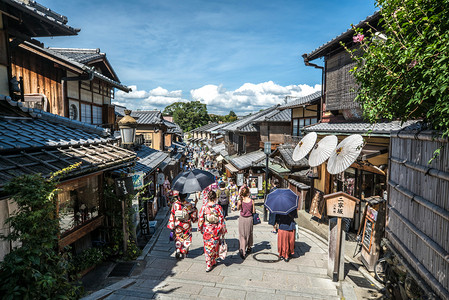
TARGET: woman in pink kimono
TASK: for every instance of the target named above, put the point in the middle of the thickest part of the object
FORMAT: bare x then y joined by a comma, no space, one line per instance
183,213
212,225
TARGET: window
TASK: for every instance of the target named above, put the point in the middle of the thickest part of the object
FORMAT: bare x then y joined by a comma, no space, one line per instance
97,115
86,114
73,112
79,202
295,127
299,123
148,139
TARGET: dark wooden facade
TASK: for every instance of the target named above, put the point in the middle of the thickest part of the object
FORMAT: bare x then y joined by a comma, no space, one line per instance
70,92
418,206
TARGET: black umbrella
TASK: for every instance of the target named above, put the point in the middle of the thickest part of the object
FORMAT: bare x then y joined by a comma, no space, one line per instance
215,172
192,181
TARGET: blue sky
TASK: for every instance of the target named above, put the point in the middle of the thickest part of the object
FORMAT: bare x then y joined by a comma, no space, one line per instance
230,54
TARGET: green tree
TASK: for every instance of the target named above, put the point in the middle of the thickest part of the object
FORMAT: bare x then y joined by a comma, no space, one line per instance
403,72
231,117
35,270
188,115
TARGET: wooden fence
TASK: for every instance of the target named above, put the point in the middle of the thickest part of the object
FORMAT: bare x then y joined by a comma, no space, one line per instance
418,208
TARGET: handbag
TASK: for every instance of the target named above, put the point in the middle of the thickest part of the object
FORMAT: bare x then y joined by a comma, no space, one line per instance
223,250
297,232
256,219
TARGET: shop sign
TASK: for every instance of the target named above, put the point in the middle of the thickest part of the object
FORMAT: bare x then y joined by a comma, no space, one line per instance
340,205
143,215
124,186
239,179
160,178
137,180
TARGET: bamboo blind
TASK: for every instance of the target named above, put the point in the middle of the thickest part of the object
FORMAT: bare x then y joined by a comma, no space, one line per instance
340,84
418,208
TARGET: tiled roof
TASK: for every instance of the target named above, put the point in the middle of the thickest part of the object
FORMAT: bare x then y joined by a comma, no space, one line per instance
51,23
218,148
172,127
47,161
246,160
276,116
286,152
80,55
298,184
205,127
119,110
302,175
87,56
148,117
149,159
75,64
43,129
33,141
306,100
335,43
381,128
217,128
246,124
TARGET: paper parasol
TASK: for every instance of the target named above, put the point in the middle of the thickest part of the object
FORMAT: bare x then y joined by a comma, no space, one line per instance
322,150
345,154
304,146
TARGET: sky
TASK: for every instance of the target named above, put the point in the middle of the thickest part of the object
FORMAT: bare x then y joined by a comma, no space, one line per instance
240,55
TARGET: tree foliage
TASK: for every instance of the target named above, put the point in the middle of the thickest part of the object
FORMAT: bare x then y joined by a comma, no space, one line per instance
231,117
35,270
188,115
403,72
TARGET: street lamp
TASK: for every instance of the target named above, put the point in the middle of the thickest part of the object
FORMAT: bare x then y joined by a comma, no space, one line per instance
267,151
127,126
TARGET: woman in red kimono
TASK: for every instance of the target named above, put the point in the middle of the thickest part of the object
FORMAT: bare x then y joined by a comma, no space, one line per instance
212,225
183,213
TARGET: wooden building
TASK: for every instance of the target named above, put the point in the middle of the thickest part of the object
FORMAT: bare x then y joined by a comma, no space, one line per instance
243,136
152,126
40,142
74,83
418,206
305,111
21,21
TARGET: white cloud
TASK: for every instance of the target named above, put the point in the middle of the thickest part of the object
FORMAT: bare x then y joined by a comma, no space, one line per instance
157,98
134,94
249,97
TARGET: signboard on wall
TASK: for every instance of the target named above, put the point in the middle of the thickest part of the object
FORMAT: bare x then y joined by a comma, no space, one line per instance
160,178
239,179
137,180
124,186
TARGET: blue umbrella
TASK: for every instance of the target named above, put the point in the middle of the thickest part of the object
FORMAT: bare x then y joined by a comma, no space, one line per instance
192,181
282,201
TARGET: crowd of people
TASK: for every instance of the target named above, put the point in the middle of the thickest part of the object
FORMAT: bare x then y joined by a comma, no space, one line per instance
216,201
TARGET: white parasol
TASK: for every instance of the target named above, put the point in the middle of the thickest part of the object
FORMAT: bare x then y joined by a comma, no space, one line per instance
322,150
345,154
304,146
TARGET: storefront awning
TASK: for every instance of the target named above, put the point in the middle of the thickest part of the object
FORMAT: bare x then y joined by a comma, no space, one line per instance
231,168
219,158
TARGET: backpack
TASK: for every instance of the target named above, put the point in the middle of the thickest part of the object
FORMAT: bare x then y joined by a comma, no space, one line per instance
182,214
212,216
223,197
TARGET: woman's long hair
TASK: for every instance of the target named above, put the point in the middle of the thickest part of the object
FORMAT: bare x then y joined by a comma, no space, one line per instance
244,192
211,196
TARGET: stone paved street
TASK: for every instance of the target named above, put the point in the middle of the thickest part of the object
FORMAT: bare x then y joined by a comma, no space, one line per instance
164,277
